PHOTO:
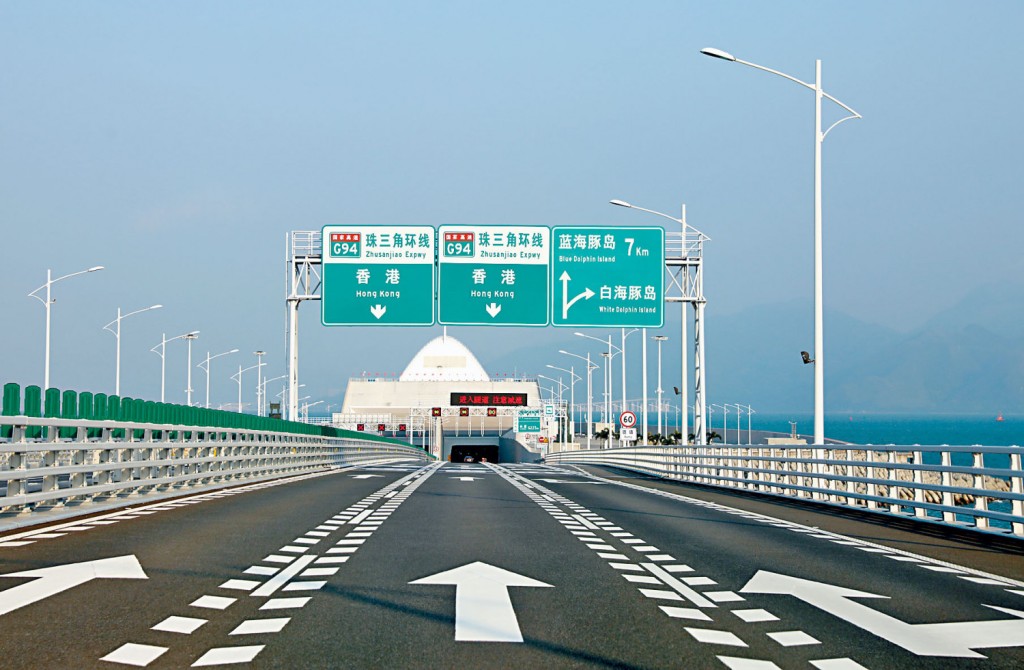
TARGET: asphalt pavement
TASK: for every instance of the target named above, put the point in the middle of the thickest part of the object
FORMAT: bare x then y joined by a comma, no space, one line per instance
501,566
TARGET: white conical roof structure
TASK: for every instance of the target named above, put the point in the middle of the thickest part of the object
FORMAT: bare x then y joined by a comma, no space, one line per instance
444,359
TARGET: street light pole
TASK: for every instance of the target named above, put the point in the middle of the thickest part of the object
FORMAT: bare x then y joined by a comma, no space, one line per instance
659,339
163,356
259,386
590,407
819,139
188,363
117,336
697,298
573,378
47,303
240,371
205,366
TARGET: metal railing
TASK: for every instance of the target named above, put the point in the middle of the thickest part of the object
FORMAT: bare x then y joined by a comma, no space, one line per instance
970,486
77,460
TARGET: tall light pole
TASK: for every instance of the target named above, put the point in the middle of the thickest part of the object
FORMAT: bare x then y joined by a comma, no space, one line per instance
117,335
819,138
188,368
560,387
573,378
692,289
607,356
623,350
163,355
265,382
725,418
259,376
659,339
611,353
590,406
239,376
47,303
205,366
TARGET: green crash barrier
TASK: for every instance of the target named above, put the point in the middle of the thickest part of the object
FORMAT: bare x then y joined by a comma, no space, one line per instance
33,407
11,407
69,410
51,407
101,407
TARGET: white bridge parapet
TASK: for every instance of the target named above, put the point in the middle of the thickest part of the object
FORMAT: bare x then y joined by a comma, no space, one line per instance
889,479
106,461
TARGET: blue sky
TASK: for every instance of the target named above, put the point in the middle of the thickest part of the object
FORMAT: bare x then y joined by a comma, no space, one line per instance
177,143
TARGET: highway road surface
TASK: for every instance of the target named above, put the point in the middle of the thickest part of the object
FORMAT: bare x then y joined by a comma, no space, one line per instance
501,566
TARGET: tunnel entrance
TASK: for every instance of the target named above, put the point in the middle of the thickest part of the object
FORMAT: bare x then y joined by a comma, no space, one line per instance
474,453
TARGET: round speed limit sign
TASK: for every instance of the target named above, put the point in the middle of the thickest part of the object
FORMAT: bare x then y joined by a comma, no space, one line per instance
627,419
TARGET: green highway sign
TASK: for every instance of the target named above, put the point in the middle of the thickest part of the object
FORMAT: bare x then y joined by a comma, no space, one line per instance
608,277
493,275
377,275
528,421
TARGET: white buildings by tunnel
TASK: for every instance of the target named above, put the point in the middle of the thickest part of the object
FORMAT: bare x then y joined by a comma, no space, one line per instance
446,402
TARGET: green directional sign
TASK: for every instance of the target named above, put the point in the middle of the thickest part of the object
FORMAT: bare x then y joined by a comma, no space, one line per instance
493,275
608,277
528,421
378,275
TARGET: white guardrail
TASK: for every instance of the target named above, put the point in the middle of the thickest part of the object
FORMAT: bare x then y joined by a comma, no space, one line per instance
923,482
122,459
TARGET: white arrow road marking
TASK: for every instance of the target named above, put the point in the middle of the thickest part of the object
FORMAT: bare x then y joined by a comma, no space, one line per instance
365,476
378,310
958,639
53,580
483,610
566,303
493,309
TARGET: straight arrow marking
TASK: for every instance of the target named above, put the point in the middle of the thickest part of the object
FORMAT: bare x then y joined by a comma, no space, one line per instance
483,609
53,580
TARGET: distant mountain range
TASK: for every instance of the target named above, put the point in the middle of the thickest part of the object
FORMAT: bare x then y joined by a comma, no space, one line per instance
967,359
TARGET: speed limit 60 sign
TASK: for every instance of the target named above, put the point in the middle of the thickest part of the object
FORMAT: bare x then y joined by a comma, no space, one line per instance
627,419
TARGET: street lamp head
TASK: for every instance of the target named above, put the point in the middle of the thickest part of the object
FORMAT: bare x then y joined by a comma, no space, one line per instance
659,338
718,53
233,351
259,353
94,269
620,203
155,307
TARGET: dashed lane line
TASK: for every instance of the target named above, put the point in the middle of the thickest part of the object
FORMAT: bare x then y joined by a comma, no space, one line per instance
288,570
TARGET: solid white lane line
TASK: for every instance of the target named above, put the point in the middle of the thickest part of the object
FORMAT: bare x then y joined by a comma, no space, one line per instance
359,517
680,588
275,582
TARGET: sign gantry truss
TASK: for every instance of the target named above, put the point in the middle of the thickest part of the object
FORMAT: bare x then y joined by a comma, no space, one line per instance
684,283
